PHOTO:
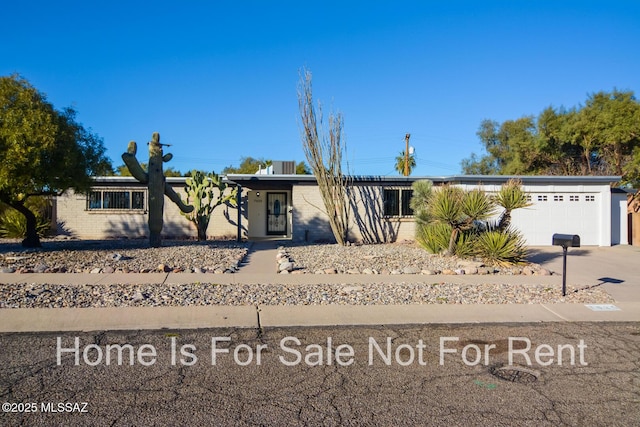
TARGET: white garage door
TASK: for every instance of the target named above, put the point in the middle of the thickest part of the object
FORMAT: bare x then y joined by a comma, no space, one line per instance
566,213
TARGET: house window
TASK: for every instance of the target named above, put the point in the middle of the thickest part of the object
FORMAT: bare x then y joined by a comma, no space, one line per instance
397,202
391,199
574,198
558,198
590,198
406,196
116,199
542,198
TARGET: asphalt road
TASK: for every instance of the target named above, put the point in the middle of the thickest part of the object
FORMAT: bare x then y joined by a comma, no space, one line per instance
426,375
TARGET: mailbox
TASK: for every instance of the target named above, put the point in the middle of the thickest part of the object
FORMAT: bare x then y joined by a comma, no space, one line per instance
566,240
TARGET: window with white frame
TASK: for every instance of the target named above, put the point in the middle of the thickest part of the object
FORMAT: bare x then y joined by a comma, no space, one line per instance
590,198
128,199
574,198
397,202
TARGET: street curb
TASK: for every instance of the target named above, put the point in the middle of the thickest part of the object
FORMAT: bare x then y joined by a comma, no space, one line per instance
196,317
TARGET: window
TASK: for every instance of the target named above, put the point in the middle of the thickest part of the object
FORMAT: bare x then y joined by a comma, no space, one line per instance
558,198
397,202
112,199
574,198
542,198
406,201
590,198
391,199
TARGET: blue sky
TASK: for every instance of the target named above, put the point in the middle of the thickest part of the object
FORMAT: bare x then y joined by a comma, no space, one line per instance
218,79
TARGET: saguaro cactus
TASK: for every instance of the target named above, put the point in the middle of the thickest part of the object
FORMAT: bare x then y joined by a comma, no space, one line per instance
199,188
156,183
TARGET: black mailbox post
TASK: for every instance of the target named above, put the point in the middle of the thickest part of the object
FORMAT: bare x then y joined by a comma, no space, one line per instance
566,241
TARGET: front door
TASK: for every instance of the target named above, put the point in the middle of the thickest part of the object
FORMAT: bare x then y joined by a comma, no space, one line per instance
276,213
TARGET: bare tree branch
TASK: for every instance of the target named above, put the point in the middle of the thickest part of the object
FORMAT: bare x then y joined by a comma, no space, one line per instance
324,155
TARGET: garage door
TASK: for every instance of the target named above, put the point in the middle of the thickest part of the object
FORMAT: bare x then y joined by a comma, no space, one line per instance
567,213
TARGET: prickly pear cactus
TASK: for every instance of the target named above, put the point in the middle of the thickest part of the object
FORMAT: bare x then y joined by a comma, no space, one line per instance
200,190
156,184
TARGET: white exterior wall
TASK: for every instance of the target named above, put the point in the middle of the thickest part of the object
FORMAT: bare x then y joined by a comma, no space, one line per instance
367,223
584,210
257,213
74,219
309,222
619,221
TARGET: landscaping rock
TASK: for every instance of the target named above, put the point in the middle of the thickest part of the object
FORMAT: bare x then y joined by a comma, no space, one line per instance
285,266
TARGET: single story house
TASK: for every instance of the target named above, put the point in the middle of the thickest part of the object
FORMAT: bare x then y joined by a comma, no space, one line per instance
289,206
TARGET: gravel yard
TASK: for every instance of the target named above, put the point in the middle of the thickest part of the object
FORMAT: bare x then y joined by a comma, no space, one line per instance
397,258
127,256
426,286
55,296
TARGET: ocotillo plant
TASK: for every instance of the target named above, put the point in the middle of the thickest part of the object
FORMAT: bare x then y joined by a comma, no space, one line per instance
200,191
156,183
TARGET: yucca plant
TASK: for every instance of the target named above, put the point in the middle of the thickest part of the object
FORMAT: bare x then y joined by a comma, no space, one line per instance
422,191
434,237
501,246
510,197
466,244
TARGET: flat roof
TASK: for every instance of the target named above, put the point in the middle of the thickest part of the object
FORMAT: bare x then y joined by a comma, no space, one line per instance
248,179
245,179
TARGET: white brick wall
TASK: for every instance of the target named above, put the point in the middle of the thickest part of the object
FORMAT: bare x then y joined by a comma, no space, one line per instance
74,219
367,222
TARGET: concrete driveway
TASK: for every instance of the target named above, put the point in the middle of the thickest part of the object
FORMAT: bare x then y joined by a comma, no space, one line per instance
615,268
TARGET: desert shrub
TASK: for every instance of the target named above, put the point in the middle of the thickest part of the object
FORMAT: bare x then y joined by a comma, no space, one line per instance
455,221
14,225
434,237
501,247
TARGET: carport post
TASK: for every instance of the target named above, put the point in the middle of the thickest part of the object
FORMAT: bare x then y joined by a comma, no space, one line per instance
239,208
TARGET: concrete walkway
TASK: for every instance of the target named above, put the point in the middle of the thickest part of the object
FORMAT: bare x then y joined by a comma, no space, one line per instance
615,269
261,258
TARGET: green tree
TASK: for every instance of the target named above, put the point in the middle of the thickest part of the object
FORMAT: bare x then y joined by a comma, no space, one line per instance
251,165
302,169
43,151
248,165
400,161
598,138
123,170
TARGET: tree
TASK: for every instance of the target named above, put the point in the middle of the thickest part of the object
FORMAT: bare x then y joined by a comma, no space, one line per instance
400,161
324,154
598,138
302,169
248,165
123,170
43,151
